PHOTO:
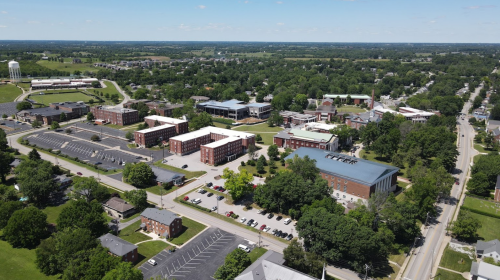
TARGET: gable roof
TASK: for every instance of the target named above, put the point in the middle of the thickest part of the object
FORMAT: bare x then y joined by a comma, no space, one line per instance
164,175
162,216
352,168
485,270
272,271
312,135
116,245
488,246
118,204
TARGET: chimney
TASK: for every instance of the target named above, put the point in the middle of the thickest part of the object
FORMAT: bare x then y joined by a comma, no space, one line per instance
373,98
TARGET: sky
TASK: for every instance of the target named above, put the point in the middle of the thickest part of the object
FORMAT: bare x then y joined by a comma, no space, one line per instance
434,21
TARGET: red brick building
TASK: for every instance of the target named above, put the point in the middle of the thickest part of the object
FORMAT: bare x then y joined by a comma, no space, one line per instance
77,109
116,116
296,138
190,142
350,178
290,117
181,126
223,150
163,109
151,136
119,247
161,222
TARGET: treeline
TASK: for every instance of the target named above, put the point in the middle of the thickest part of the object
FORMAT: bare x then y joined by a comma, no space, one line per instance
30,67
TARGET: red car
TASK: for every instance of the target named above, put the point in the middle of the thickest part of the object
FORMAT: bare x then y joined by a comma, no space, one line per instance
221,189
229,213
186,198
79,173
216,187
262,227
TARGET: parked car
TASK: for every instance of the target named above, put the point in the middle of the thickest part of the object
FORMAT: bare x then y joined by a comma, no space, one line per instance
279,218
284,234
216,187
203,191
264,212
259,211
214,208
228,214
262,227
79,173
184,166
186,198
242,220
250,222
278,233
267,229
97,163
199,190
209,184
196,201
289,237
210,194
270,216
254,224
274,231
220,197
152,262
287,221
221,189
244,248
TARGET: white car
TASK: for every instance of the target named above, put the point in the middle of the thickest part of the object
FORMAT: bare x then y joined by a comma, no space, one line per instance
267,229
199,190
152,262
214,208
259,211
197,201
254,224
287,221
243,220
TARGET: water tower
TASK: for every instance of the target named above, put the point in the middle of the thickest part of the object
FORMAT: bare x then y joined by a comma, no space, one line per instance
14,71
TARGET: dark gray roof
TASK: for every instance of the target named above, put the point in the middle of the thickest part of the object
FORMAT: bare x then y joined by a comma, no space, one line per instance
366,117
162,216
69,104
45,111
488,246
496,131
116,245
256,267
283,134
118,204
352,168
164,175
62,179
16,162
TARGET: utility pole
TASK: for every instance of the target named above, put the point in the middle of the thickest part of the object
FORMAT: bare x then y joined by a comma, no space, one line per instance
101,132
161,197
259,238
367,267
426,219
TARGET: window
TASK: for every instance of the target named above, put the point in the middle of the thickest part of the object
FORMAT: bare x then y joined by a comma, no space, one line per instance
333,185
326,176
343,196
345,188
345,181
337,194
338,180
338,187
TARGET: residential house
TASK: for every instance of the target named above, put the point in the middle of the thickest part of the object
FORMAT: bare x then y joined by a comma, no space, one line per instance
62,181
118,208
163,176
484,271
161,222
488,249
119,247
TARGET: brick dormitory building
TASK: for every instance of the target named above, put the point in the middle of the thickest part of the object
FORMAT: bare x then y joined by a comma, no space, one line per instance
52,113
161,222
296,138
114,115
160,129
351,178
181,126
216,144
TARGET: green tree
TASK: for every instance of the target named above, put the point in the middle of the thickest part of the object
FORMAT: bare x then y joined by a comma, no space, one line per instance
35,180
369,134
36,124
238,184
126,170
466,226
34,155
55,125
4,116
129,136
89,189
82,214
301,100
273,152
258,138
139,198
124,271
489,139
495,112
26,227
348,100
478,184
202,120
141,93
234,264
305,167
96,84
63,117
5,160
260,167
95,137
252,152
24,105
68,131
90,116
7,209
141,175
3,141
275,119
90,264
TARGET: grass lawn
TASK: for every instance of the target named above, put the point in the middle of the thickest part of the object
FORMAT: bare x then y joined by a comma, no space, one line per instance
399,258
480,148
221,125
110,89
25,86
130,218
253,169
483,205
19,264
350,108
129,233
452,258
448,275
159,190
54,211
263,127
490,227
267,138
256,253
60,97
68,66
189,174
190,228
393,270
148,250
373,157
9,92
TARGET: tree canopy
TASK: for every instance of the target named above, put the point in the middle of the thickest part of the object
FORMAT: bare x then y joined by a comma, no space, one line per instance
26,227
35,180
234,263
82,214
238,184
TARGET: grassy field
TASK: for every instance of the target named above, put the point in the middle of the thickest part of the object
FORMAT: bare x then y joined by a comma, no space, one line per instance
480,148
253,169
483,205
110,89
129,233
68,66
130,218
399,258
349,109
190,228
221,125
189,174
263,127
159,190
373,157
259,54
19,264
394,269
311,58
256,253
204,52
451,260
149,249
447,275
54,211
9,92
490,227
61,97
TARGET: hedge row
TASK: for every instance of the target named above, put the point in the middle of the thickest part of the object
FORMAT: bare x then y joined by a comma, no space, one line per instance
481,212
224,121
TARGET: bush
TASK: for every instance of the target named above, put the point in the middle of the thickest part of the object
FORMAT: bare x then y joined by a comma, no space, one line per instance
242,163
477,211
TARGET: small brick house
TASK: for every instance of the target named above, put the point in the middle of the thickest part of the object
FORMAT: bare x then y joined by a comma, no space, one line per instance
119,247
118,208
161,222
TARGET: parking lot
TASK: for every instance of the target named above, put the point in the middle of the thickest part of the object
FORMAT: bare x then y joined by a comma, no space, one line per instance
223,208
13,126
84,150
199,259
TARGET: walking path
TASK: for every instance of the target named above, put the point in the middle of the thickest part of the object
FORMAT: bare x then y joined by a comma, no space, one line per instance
126,224
466,275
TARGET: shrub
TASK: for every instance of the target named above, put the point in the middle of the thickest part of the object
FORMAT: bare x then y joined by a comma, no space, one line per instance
242,163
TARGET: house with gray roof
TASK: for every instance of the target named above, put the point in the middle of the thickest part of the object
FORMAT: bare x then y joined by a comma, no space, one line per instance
296,138
118,208
488,249
161,222
166,176
119,247
350,178
484,271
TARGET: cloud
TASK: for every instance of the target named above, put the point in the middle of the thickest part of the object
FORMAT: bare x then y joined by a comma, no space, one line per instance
3,26
201,7
3,12
280,23
480,7
279,2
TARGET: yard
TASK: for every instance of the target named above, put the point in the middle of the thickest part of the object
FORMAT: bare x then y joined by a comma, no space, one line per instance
391,271
148,250
482,205
9,92
54,211
190,228
455,260
253,169
131,235
447,275
67,66
61,97
373,157
19,264
490,227
263,127
110,89
256,253
189,174
350,109
480,148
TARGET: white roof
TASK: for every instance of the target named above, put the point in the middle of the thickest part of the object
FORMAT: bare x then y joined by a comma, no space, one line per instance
164,119
222,142
212,129
488,271
316,125
155,128
415,112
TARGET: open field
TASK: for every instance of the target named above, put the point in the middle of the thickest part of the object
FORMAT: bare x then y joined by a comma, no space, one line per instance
447,275
373,157
9,92
129,233
189,174
313,58
61,97
451,260
190,228
482,205
149,249
67,66
110,89
349,108
490,227
480,148
54,211
258,54
208,51
263,127
19,264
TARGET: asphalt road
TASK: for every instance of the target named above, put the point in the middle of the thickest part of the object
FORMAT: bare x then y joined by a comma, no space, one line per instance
425,254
